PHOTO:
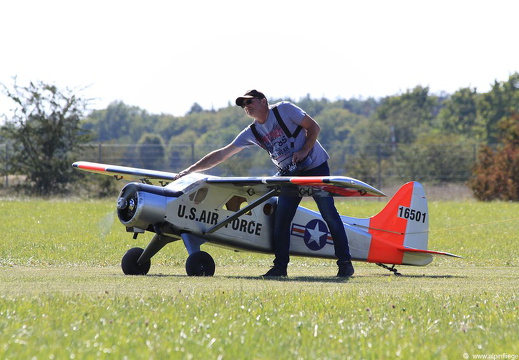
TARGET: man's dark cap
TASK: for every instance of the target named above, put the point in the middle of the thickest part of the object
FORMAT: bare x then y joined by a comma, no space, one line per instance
251,94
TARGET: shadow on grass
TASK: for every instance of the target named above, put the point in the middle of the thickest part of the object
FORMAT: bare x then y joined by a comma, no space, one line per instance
257,278
313,279
310,279
322,279
433,276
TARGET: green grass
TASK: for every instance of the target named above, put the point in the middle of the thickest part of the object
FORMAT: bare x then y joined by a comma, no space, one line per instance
64,296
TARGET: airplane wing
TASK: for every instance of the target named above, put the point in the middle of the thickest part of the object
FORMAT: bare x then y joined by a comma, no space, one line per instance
297,185
151,177
303,185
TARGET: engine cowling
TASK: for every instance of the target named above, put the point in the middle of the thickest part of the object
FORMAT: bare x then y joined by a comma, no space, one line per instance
141,206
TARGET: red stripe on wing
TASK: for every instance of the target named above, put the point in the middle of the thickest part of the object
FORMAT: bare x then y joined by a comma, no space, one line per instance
92,167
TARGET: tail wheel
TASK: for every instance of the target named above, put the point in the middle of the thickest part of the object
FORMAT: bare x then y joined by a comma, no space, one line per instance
130,265
200,263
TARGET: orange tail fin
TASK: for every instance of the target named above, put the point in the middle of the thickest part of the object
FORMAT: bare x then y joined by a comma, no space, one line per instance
403,223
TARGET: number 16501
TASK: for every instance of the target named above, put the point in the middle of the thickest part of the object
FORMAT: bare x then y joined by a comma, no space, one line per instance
411,214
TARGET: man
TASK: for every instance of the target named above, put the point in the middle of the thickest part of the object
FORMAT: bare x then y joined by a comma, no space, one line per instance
290,137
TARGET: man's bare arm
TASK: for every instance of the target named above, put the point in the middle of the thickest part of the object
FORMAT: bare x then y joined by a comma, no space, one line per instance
212,159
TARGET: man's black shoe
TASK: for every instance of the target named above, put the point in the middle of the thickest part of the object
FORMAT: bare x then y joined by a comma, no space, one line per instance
276,271
346,269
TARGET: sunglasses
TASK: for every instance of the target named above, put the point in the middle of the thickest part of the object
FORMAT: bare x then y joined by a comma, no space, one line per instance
247,102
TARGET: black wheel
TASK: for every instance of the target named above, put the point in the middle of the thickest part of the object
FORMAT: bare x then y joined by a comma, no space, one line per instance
129,263
200,264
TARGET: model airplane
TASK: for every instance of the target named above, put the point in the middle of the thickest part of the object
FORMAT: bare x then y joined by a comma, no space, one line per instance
237,213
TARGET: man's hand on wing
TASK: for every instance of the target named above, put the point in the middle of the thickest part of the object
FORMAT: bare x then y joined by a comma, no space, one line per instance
180,174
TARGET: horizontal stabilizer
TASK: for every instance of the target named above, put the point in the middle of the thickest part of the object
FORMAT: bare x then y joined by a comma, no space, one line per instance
430,252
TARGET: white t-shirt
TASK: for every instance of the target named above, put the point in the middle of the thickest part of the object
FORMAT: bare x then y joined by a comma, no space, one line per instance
277,143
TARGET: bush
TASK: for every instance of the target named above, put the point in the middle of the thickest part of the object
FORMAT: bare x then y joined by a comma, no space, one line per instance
496,176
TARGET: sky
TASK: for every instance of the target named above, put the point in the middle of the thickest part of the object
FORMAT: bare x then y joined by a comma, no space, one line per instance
165,55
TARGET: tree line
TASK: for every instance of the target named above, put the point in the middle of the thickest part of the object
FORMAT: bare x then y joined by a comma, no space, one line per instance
415,135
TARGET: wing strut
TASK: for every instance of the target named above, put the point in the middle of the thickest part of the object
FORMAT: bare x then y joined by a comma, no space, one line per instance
247,208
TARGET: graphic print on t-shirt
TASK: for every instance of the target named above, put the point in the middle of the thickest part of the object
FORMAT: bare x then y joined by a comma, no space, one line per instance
278,145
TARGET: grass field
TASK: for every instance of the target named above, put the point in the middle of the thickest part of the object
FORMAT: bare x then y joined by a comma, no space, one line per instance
63,295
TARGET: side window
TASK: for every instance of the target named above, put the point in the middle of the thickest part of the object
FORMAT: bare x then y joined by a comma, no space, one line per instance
236,203
199,196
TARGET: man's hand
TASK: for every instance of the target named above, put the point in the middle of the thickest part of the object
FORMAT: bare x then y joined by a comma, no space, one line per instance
300,156
180,174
